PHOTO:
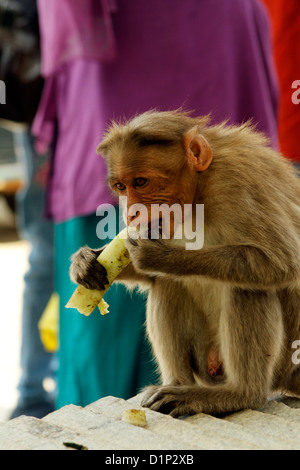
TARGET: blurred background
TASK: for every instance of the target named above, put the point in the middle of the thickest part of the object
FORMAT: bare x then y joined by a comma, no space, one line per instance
13,265
235,58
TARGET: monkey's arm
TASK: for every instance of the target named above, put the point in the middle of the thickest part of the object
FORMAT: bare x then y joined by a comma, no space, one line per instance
242,265
131,276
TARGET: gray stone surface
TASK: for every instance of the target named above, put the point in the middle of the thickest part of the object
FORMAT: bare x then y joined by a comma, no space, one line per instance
99,425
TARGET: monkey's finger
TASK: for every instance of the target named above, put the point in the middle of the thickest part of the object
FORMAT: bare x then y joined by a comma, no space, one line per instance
163,406
149,393
100,271
98,280
87,282
155,394
91,282
182,410
92,276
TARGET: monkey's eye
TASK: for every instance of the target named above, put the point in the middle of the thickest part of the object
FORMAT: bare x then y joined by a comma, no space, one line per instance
120,186
140,182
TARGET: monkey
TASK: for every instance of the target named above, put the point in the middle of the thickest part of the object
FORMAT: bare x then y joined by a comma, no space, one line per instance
221,319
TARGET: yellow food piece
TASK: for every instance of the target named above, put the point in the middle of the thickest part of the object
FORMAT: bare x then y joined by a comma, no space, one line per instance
103,307
135,417
114,258
49,324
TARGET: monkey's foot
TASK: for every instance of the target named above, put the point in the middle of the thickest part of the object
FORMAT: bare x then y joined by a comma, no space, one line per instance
176,400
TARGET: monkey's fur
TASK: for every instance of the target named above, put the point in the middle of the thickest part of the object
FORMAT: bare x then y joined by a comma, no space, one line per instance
238,298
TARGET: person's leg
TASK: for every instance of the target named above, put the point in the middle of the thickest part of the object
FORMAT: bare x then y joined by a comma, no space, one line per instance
36,363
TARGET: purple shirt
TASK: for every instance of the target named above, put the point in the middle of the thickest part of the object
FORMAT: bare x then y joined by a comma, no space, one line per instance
210,56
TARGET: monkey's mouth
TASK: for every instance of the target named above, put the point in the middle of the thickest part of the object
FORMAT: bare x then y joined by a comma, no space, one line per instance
160,228
155,227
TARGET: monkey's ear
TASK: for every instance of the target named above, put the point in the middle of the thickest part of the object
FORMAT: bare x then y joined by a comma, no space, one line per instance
198,150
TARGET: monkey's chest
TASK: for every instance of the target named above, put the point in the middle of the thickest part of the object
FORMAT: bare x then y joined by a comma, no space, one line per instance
189,306
207,297
183,319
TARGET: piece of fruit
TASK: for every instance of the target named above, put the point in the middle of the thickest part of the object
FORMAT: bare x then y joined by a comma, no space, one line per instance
114,258
49,324
135,417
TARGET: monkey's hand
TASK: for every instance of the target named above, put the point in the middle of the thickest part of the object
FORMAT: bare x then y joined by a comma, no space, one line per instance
86,270
150,256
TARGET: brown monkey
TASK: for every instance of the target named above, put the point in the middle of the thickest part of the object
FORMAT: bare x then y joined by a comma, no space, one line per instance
221,319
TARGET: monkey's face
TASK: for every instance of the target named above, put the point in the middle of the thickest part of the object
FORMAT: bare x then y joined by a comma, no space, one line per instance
156,170
150,196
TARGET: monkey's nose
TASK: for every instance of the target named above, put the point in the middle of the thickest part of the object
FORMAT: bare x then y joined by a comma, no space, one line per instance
130,218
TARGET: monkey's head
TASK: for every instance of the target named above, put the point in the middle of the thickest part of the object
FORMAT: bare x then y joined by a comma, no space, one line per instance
155,159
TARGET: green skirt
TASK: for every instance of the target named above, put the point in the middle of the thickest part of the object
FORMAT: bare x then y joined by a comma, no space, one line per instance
98,355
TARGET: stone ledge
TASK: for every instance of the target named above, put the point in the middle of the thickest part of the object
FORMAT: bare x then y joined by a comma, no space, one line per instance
99,426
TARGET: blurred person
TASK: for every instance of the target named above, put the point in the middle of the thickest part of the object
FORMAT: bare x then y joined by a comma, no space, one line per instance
36,363
20,69
285,29
106,59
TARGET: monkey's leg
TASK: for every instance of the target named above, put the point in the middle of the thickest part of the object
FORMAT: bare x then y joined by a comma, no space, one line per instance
251,338
173,323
